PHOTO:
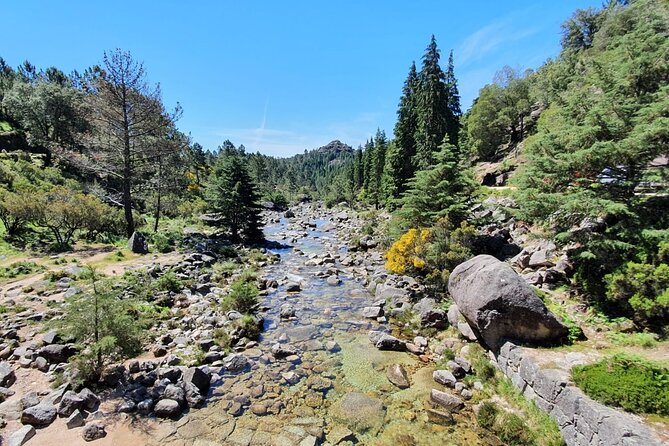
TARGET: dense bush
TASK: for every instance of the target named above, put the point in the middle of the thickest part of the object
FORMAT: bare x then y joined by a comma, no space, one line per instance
243,297
406,255
630,382
279,199
434,252
16,211
168,282
642,287
448,246
62,212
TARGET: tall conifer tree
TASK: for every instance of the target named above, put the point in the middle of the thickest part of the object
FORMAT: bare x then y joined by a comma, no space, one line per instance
433,111
453,103
399,160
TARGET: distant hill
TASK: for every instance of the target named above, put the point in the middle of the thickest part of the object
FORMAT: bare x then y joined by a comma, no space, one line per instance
335,146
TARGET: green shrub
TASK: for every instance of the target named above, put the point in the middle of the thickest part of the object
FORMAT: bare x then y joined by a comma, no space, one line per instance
222,270
248,326
55,276
510,428
279,199
448,246
102,324
222,338
17,269
643,288
243,297
162,242
481,364
513,430
168,282
575,331
248,276
487,414
635,384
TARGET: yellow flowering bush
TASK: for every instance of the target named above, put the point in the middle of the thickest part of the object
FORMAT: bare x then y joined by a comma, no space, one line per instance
406,254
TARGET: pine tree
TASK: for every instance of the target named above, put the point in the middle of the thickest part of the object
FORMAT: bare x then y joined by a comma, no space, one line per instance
399,167
378,163
231,195
433,111
453,123
439,191
367,167
358,171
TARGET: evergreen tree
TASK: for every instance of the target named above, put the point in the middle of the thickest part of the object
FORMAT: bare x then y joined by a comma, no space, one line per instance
231,195
453,123
390,180
433,111
358,170
378,163
367,167
439,191
399,160
598,152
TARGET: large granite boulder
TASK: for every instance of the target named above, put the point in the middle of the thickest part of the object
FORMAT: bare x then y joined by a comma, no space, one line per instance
498,304
138,244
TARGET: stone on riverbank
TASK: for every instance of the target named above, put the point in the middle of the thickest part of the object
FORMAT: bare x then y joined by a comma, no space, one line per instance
498,304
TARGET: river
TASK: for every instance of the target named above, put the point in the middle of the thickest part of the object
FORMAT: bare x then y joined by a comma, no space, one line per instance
335,389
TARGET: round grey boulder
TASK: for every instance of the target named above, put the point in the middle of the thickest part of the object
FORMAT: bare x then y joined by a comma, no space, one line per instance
499,305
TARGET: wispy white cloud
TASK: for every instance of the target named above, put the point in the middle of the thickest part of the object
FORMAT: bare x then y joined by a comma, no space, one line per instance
490,38
288,142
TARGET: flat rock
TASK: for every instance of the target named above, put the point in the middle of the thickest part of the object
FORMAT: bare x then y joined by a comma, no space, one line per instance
398,376
21,436
372,312
444,377
449,402
340,434
167,408
42,414
360,412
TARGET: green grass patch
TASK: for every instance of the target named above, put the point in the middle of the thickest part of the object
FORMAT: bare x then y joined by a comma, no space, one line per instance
18,269
644,340
633,383
519,421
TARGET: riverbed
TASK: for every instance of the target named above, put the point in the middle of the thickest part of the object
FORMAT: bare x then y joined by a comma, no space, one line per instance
334,389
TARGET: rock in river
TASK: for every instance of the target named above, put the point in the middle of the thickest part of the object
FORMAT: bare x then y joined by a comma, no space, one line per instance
398,376
360,412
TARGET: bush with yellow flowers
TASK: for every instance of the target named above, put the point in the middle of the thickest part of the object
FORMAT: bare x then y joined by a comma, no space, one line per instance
406,255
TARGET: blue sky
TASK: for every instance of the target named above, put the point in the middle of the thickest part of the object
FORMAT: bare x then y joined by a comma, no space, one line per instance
284,76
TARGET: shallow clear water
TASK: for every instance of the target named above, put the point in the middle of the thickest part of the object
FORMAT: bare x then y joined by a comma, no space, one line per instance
329,390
